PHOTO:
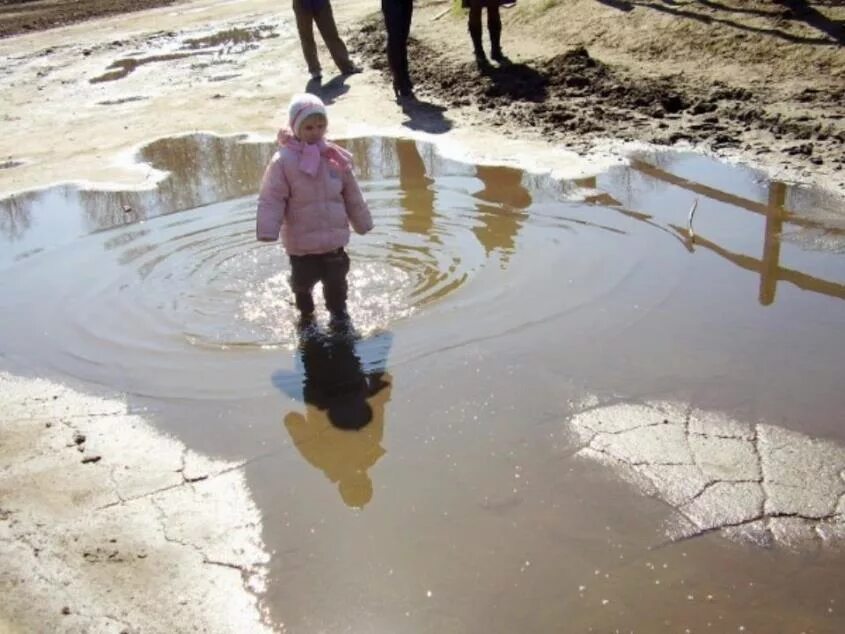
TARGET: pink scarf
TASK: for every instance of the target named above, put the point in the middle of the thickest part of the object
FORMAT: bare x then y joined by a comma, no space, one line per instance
310,153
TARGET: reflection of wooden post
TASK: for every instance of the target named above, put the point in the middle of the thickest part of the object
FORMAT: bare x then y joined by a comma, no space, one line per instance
771,243
599,198
731,199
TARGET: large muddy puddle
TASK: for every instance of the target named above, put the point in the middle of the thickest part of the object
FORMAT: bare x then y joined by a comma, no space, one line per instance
493,309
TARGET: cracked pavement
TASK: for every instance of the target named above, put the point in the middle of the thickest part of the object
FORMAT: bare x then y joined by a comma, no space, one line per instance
151,536
750,482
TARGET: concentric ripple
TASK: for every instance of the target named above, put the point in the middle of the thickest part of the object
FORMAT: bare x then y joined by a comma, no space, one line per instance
156,303
119,288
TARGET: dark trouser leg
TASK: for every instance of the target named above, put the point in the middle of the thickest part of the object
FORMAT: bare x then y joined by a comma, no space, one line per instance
305,28
475,29
397,23
328,29
335,268
304,274
390,11
494,26
407,15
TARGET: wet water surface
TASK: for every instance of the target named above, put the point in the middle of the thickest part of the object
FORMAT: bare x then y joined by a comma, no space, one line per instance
222,45
491,305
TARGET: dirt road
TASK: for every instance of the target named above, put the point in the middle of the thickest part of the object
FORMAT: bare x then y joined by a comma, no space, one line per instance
760,82
29,16
757,80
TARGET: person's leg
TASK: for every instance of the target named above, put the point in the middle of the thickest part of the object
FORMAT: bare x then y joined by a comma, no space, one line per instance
324,18
305,28
335,288
304,274
494,26
392,24
475,32
407,15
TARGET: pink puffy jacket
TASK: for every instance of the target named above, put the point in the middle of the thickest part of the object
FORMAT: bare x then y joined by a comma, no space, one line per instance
312,212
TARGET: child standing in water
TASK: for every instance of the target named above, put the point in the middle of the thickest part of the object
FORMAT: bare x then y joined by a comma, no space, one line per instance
310,195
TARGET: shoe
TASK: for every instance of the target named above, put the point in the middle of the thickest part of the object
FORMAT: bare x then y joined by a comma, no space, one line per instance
402,91
351,70
498,56
305,322
340,322
317,75
481,61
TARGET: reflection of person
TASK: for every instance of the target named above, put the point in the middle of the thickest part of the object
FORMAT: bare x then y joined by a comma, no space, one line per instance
501,220
397,22
308,12
343,425
310,194
494,26
417,194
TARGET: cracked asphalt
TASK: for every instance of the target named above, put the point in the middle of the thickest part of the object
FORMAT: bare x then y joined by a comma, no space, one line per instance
86,539
754,482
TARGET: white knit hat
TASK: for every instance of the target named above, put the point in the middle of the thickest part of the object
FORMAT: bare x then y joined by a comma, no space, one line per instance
301,107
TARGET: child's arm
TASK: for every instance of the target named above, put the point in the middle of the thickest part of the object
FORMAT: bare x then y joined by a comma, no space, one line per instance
356,206
272,202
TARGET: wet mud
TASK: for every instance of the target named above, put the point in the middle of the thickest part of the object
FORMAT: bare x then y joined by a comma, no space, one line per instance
224,43
577,99
559,400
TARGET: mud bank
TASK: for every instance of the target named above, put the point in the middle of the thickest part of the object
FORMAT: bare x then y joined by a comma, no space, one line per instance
581,102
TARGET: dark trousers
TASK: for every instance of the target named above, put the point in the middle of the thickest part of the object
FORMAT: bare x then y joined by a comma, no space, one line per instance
330,269
324,18
494,23
397,22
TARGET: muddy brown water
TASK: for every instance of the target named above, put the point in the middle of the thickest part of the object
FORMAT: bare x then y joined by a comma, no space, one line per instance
489,303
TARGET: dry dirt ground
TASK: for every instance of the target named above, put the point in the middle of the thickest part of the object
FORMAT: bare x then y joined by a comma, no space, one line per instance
760,80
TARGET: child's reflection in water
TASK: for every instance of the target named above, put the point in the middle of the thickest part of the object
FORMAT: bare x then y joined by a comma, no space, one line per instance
342,428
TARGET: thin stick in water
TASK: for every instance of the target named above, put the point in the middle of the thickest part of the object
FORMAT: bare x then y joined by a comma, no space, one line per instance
689,219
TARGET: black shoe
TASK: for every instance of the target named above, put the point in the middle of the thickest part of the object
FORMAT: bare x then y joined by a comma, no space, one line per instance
351,70
481,60
498,56
340,322
406,88
305,321
403,91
